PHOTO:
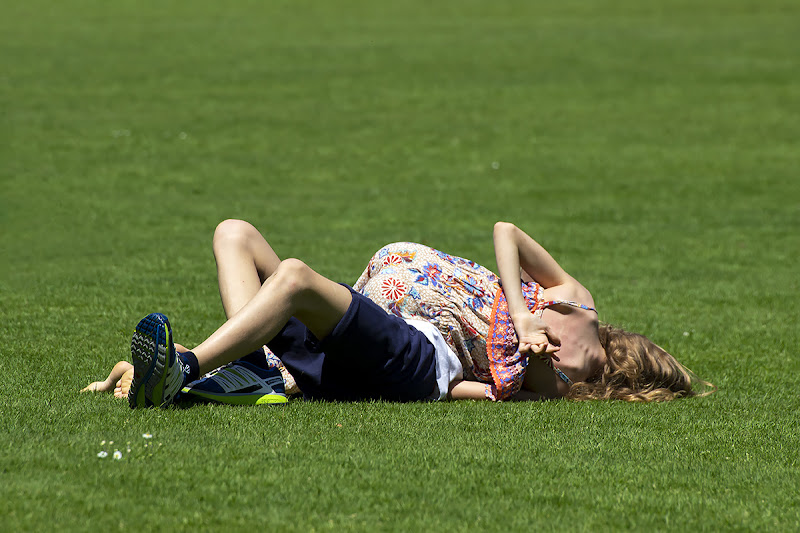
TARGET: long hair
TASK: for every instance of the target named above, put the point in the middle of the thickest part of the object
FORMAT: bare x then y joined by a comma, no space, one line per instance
637,370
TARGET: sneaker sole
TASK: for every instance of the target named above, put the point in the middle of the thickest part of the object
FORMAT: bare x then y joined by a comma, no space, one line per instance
239,399
152,355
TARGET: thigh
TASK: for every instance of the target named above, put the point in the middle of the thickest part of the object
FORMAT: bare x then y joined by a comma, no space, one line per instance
322,305
378,356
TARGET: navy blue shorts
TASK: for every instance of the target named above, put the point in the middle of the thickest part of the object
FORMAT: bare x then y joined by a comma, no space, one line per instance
369,355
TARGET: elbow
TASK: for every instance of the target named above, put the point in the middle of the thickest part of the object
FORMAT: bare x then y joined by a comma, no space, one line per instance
503,228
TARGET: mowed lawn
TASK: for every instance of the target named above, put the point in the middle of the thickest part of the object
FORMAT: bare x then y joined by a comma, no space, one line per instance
653,148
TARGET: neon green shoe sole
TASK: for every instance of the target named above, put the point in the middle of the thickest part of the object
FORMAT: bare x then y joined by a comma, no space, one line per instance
240,383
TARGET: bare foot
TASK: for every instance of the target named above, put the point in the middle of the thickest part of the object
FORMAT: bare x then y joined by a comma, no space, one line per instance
117,372
120,378
124,384
95,386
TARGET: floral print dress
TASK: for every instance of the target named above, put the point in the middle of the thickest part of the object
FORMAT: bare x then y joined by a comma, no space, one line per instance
462,299
465,302
454,294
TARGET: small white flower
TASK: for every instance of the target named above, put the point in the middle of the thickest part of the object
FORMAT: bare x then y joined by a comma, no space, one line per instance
117,455
102,443
495,165
685,333
147,436
103,454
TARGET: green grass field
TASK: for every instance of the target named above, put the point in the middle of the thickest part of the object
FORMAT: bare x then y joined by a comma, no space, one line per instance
653,148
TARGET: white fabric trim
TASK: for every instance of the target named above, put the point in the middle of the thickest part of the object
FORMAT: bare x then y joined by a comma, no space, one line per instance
448,367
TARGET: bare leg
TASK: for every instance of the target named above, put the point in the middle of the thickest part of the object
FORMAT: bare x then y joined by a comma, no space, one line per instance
244,262
293,289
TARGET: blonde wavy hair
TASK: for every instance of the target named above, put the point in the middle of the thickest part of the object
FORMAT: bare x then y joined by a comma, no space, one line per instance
637,370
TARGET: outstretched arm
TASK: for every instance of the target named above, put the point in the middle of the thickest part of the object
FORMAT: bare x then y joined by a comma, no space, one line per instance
473,390
515,249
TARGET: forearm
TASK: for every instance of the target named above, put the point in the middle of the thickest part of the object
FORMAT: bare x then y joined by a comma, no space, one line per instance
507,254
467,390
474,390
515,249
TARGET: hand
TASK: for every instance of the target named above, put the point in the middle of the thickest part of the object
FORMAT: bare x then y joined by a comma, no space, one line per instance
535,336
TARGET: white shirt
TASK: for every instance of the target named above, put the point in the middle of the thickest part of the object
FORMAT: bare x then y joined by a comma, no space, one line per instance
448,367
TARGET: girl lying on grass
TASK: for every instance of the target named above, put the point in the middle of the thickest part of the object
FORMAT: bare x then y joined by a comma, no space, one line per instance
537,337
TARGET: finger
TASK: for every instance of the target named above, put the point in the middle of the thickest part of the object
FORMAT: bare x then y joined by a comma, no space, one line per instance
554,339
552,349
539,348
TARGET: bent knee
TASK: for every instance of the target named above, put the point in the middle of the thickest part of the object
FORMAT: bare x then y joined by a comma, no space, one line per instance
232,230
294,274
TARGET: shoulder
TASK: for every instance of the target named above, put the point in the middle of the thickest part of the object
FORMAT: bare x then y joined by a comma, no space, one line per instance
571,291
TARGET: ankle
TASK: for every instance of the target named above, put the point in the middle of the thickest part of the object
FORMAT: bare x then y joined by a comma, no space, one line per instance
190,366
